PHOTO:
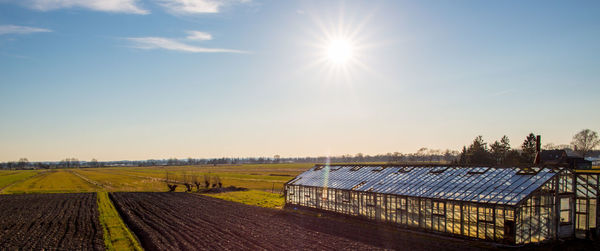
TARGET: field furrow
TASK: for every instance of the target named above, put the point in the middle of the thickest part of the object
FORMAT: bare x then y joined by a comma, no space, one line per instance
180,221
50,222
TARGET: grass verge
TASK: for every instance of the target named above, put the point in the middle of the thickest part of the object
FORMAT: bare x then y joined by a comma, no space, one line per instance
116,235
252,197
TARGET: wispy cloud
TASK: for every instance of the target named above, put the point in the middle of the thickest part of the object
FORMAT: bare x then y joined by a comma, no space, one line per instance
151,43
198,35
503,92
16,29
120,6
196,6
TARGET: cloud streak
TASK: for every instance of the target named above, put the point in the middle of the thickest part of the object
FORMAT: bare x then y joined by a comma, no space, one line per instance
196,6
118,6
153,43
16,29
177,7
198,35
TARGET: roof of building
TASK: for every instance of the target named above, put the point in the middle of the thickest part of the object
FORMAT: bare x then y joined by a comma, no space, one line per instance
503,186
558,155
549,155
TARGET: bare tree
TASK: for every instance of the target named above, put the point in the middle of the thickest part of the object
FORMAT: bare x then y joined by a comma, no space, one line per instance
206,181
196,181
420,154
187,181
23,162
217,182
170,182
552,146
585,141
94,163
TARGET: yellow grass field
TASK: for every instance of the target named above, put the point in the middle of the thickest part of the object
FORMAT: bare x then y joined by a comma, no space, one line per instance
265,181
264,177
9,178
253,197
54,181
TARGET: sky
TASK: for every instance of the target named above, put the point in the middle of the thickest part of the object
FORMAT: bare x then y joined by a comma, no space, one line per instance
152,79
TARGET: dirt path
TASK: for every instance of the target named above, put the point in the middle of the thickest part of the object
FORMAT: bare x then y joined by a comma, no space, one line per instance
86,179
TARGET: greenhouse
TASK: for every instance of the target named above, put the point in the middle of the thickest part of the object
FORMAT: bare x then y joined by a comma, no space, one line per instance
508,205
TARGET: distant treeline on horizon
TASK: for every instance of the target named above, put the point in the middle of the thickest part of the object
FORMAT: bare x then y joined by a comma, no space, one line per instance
478,153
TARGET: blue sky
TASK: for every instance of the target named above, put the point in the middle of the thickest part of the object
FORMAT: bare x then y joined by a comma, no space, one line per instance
139,79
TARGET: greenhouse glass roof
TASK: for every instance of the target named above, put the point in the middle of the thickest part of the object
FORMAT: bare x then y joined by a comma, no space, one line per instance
504,186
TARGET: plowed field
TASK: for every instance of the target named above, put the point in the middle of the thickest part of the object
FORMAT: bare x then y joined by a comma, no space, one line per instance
50,222
179,221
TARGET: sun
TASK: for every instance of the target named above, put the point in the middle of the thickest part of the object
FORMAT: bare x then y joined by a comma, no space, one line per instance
340,51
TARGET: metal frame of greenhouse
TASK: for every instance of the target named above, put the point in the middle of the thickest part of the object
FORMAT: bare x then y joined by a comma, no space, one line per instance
509,205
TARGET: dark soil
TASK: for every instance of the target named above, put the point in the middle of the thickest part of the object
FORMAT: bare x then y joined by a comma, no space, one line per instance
180,221
223,189
50,222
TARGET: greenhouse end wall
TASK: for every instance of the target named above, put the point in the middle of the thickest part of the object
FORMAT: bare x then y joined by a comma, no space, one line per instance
536,216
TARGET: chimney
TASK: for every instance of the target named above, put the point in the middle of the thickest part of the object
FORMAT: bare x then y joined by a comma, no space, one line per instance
538,149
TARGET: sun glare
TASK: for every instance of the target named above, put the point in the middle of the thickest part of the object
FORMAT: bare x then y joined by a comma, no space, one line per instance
340,51
339,47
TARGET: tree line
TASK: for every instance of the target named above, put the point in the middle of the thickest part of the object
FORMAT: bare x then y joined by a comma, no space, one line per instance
478,152
500,153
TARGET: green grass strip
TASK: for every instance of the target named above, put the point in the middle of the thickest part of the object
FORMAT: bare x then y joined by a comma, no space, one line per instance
252,197
116,235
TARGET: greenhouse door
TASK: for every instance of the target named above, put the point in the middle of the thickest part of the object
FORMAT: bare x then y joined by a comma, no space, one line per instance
509,231
370,203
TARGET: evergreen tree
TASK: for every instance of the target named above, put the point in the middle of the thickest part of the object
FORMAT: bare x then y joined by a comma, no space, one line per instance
499,150
529,149
513,158
478,154
463,156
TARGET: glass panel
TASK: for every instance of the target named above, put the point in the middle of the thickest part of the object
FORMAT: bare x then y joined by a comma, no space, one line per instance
501,186
592,223
413,212
565,210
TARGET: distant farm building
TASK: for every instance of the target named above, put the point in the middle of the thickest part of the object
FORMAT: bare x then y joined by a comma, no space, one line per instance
596,162
563,158
507,205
